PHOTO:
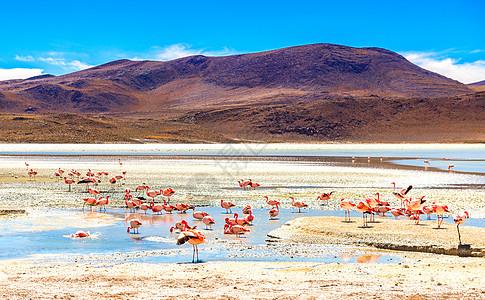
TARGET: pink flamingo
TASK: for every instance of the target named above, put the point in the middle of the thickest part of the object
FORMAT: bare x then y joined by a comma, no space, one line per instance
246,209
93,192
130,203
365,209
69,182
401,194
208,221
156,208
381,209
346,205
194,238
325,196
168,208
242,222
273,213
182,207
152,194
415,207
178,225
298,204
271,202
134,224
373,203
238,229
250,218
199,215
439,209
90,201
253,184
80,234
396,212
144,207
460,218
102,202
168,193
227,206
428,211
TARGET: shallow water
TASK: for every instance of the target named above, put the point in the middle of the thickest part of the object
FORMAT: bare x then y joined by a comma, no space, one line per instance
55,213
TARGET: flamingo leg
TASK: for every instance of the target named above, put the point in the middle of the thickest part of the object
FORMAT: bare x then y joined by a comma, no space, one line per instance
458,229
197,249
193,254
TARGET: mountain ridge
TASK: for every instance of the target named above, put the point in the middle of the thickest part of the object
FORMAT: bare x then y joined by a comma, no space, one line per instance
287,75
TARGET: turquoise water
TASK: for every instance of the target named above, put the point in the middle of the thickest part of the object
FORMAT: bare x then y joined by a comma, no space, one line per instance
301,171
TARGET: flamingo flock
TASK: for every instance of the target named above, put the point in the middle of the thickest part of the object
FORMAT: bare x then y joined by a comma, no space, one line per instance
412,207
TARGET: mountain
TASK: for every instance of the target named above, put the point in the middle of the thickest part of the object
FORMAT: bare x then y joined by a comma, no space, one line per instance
283,76
478,83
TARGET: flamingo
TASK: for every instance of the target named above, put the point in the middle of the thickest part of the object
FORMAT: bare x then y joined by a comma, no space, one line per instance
346,205
58,175
134,224
168,193
427,210
271,202
250,218
178,225
325,196
246,209
253,184
396,212
402,194
381,209
144,207
182,207
93,192
242,222
69,181
460,218
168,208
90,201
208,221
130,203
274,212
298,204
194,238
415,207
80,234
238,229
416,215
227,206
364,208
102,202
439,209
228,229
152,194
199,215
373,203
156,208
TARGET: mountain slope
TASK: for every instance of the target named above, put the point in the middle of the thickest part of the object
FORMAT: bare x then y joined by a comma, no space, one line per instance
289,75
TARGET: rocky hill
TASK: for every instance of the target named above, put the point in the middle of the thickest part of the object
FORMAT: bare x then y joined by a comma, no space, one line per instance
283,76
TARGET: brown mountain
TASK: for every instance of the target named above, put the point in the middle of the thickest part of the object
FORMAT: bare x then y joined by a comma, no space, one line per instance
283,76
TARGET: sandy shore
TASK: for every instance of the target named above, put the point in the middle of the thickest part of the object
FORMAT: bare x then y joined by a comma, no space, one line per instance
426,277
385,233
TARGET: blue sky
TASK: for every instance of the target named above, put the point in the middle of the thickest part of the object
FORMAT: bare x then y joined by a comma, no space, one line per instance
58,37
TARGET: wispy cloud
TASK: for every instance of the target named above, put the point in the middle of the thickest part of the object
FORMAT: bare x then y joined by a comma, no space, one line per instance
175,51
466,72
74,65
19,73
24,58
55,59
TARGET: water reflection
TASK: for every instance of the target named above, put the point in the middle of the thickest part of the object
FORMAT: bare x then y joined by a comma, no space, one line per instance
368,258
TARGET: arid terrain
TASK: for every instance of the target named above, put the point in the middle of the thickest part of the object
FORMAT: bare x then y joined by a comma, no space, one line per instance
311,93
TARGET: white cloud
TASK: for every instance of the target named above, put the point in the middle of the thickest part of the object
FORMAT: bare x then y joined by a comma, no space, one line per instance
178,51
19,73
74,65
24,58
466,72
